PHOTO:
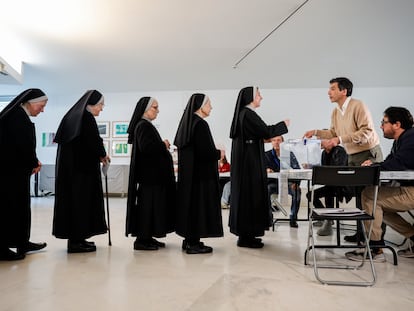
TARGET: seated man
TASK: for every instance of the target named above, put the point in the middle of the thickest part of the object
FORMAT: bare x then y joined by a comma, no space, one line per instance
272,163
331,156
397,124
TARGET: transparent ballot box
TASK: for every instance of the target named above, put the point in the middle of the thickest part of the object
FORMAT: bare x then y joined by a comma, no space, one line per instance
300,153
296,154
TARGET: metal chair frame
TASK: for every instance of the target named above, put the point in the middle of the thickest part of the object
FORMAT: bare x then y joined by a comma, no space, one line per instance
339,176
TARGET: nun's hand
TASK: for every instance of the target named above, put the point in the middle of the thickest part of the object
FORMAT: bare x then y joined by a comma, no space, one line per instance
287,122
105,160
37,169
167,144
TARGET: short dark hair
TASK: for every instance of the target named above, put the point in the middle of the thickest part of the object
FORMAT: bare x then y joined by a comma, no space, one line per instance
399,114
343,83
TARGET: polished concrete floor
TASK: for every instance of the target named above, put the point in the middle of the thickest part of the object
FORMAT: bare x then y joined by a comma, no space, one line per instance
231,278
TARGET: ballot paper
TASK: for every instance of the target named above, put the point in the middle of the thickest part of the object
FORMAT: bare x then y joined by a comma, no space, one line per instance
339,211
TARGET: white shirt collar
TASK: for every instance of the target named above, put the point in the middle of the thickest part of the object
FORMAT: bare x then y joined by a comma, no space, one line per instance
344,106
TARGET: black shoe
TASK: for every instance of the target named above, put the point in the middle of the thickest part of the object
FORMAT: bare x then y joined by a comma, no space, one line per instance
31,247
198,248
157,243
90,243
293,224
250,242
9,255
184,245
144,245
80,247
352,238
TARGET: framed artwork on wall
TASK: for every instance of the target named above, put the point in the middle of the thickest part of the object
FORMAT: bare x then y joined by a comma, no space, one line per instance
48,139
120,148
104,129
119,129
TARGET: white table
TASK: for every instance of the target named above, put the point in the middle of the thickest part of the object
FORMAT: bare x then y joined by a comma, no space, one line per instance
306,174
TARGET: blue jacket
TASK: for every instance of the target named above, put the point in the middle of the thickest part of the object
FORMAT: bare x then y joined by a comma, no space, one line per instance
401,157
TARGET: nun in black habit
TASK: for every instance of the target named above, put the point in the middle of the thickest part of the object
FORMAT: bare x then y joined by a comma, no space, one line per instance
79,205
249,206
151,189
198,209
19,161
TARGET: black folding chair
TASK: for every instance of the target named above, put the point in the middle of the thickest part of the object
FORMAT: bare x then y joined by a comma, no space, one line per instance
340,176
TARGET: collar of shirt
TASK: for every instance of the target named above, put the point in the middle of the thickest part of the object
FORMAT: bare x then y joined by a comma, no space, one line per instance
343,109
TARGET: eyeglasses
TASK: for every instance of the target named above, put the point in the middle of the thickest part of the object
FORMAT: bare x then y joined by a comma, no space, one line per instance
384,122
155,107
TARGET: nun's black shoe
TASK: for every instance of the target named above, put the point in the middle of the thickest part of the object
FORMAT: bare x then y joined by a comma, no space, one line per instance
184,245
157,243
9,255
141,245
250,243
198,248
80,247
91,243
31,247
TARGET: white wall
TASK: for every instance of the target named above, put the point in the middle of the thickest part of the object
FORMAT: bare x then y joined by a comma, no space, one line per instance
306,108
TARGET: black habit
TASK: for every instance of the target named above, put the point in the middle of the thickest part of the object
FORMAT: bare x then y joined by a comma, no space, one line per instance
249,206
198,208
18,158
79,206
151,189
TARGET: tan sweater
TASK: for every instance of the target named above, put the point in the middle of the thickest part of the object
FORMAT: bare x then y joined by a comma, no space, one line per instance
355,128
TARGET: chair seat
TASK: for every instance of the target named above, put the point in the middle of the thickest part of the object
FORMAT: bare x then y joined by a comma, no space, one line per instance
344,217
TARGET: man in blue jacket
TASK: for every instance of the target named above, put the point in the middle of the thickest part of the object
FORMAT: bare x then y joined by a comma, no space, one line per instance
272,163
397,124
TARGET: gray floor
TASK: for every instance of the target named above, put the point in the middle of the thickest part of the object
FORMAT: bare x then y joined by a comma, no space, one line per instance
232,278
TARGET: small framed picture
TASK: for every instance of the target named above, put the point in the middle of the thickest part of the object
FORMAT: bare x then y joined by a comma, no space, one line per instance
120,148
106,146
104,129
119,129
48,139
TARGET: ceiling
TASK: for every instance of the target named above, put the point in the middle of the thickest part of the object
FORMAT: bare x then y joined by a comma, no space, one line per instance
141,45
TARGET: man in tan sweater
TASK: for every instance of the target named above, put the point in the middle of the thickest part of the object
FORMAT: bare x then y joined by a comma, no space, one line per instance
352,127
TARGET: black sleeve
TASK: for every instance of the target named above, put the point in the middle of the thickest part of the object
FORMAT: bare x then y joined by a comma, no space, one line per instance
89,145
148,140
204,147
255,128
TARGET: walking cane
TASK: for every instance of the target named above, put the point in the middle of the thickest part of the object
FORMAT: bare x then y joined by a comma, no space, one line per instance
105,168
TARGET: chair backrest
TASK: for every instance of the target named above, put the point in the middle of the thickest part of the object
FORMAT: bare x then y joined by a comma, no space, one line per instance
346,175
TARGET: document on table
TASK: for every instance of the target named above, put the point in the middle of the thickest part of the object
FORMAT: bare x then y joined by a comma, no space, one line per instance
339,211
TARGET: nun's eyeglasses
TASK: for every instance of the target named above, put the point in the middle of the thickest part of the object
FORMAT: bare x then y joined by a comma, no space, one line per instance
155,107
384,122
